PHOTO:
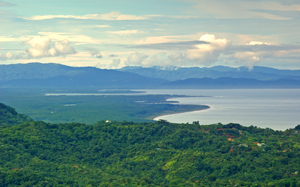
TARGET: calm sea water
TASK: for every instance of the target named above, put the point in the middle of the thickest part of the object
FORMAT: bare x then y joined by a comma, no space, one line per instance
278,109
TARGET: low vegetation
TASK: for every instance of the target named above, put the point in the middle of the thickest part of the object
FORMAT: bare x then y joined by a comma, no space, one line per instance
89,109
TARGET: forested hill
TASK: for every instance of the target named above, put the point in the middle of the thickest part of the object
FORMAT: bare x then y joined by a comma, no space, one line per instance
147,154
9,116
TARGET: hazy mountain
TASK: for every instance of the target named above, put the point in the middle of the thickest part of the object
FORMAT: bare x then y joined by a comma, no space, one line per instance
228,82
172,74
56,75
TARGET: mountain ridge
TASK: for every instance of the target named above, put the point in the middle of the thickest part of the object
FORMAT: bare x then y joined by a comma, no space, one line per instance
56,75
258,72
230,83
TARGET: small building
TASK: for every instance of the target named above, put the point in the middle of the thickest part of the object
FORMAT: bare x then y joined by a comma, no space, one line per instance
260,144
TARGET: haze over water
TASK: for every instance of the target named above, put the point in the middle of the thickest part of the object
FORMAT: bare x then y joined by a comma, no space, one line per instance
278,109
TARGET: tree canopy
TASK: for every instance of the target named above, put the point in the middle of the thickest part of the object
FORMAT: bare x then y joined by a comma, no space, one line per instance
9,116
124,153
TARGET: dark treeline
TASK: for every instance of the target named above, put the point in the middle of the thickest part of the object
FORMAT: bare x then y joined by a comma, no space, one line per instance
114,153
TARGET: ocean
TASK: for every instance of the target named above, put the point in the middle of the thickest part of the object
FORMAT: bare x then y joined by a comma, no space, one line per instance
278,109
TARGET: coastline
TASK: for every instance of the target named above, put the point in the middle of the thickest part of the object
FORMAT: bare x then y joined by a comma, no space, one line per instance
155,117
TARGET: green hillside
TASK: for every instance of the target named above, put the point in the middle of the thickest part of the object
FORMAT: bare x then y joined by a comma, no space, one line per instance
147,154
9,116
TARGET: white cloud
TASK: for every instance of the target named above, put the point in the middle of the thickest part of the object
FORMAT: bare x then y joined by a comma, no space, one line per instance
115,63
6,56
41,47
208,53
126,32
102,26
204,52
63,48
111,16
8,39
157,39
241,39
259,43
178,58
82,39
135,59
249,58
216,50
108,16
252,56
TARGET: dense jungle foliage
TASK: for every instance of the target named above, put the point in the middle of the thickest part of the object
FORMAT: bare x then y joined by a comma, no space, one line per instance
9,116
124,153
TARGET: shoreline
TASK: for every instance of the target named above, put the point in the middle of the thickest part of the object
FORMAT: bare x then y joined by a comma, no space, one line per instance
172,113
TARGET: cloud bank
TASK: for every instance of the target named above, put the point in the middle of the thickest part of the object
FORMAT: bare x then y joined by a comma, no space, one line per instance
39,48
180,45
208,53
209,50
135,59
115,15
126,32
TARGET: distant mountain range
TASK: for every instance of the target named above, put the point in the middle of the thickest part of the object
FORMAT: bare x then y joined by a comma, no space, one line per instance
230,83
58,76
173,73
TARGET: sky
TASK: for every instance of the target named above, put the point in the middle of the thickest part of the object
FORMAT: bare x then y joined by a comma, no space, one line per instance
184,33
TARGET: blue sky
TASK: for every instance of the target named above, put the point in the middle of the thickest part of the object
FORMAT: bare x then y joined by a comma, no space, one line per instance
118,33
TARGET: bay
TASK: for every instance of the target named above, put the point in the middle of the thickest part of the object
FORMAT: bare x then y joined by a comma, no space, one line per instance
278,109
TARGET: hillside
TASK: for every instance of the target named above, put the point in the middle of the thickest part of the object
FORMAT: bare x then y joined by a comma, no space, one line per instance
9,116
147,154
